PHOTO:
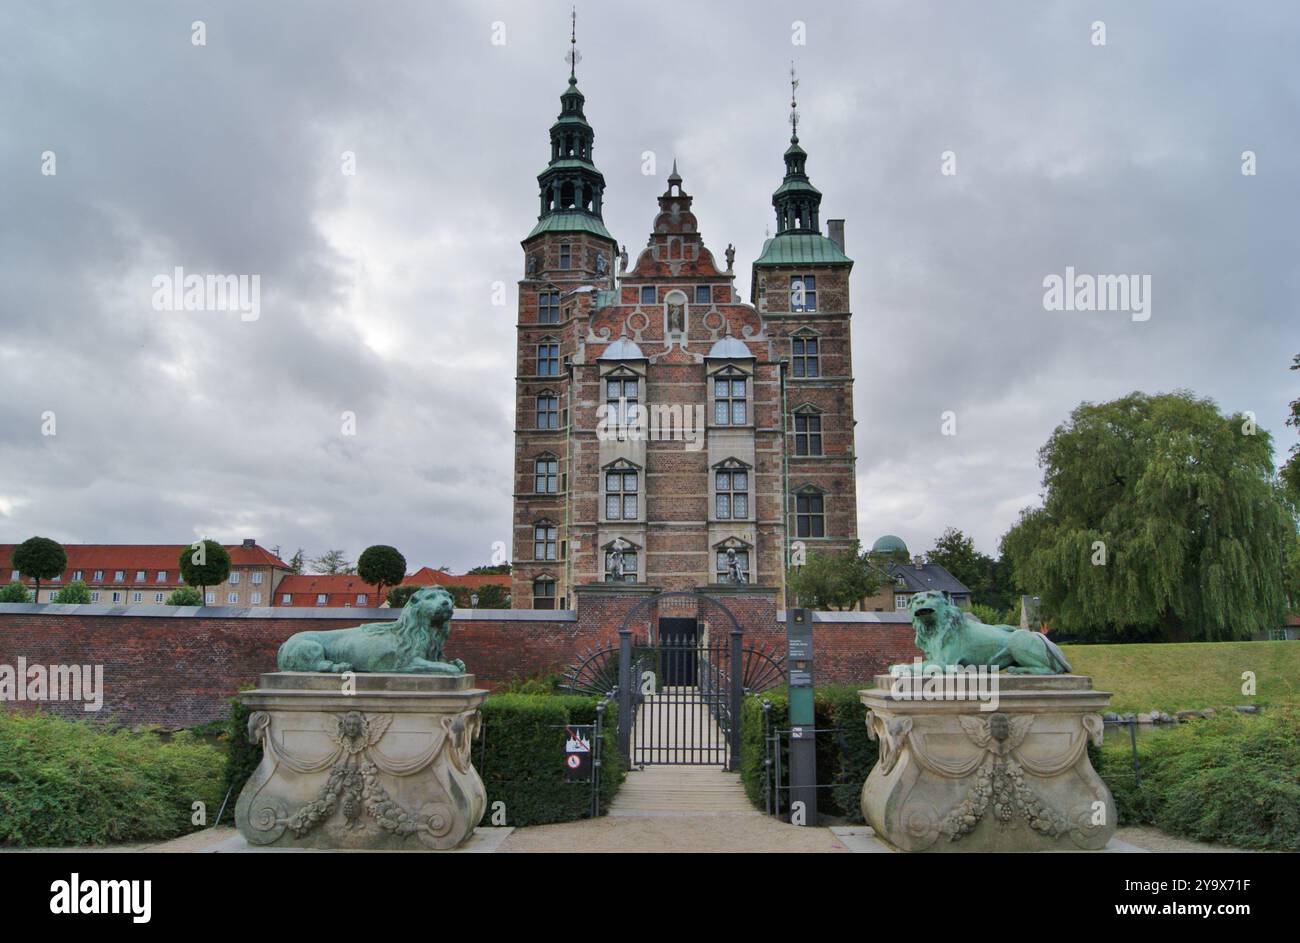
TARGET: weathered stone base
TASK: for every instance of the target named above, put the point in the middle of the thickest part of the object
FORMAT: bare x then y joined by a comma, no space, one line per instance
385,767
954,778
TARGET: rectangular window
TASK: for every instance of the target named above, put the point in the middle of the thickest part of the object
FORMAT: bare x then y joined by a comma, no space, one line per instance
255,599
548,307
545,475
621,400
544,594
286,599
722,571
803,293
139,576
901,601
807,357
94,597
566,256
620,494
234,578
544,537
729,401
161,577
257,578
321,599
158,597
810,518
361,599
731,501
76,574
548,412
14,576
137,597
232,599
117,597
99,576
703,294
119,576
548,359
807,434
647,294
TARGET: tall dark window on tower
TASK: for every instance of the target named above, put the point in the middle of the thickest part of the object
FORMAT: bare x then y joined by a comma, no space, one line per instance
548,307
548,411
729,400
545,474
566,259
807,357
803,293
810,516
548,358
807,434
544,541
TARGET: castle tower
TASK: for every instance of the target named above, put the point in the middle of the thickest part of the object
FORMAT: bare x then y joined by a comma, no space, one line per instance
801,287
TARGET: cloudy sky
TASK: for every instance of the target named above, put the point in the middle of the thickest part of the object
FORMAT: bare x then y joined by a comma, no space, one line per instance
377,288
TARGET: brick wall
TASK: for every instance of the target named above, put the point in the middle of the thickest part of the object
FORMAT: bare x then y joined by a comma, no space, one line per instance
177,668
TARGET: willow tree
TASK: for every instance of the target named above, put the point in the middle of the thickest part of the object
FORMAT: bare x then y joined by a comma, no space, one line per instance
1161,518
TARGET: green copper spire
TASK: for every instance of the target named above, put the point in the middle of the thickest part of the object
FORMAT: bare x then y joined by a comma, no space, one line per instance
797,201
571,188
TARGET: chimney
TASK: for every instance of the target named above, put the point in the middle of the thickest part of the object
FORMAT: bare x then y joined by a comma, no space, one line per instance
250,542
918,562
836,229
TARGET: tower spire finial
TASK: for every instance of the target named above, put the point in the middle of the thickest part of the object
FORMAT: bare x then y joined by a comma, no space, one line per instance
794,114
573,44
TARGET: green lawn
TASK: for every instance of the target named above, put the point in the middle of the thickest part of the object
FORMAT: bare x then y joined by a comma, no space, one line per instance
1189,676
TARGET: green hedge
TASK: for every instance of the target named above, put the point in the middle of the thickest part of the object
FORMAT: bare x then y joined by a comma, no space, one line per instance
845,755
521,757
68,782
1231,779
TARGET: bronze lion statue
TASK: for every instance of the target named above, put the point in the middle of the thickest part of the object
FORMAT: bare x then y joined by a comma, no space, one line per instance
947,636
411,645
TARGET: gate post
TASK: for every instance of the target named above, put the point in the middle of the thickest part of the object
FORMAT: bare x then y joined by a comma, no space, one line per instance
625,694
737,694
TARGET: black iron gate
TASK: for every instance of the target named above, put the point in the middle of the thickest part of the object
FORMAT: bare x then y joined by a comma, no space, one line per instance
679,692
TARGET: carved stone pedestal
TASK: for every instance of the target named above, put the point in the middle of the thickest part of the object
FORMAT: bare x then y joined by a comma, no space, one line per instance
954,778
385,767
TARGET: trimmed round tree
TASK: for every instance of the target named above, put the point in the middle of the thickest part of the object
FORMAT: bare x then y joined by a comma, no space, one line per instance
39,558
204,563
383,566
75,593
399,596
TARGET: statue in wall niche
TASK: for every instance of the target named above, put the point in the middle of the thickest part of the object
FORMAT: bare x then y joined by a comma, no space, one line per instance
616,564
734,574
532,264
948,636
674,317
411,645
602,264
622,259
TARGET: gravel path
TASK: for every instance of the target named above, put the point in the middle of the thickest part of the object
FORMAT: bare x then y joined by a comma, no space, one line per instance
721,832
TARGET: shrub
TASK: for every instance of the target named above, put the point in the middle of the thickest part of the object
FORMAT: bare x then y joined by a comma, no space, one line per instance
75,593
521,757
74,783
398,596
242,755
845,755
185,596
15,592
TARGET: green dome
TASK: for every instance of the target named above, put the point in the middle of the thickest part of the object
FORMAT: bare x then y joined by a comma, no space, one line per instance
889,544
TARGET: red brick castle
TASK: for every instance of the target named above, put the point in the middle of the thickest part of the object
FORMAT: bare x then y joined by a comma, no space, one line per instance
660,421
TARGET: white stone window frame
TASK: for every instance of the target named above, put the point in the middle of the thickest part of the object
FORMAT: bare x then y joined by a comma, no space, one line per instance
623,468
637,573
732,374
730,467
719,557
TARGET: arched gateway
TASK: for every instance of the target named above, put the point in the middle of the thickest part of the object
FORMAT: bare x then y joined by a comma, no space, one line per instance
679,685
